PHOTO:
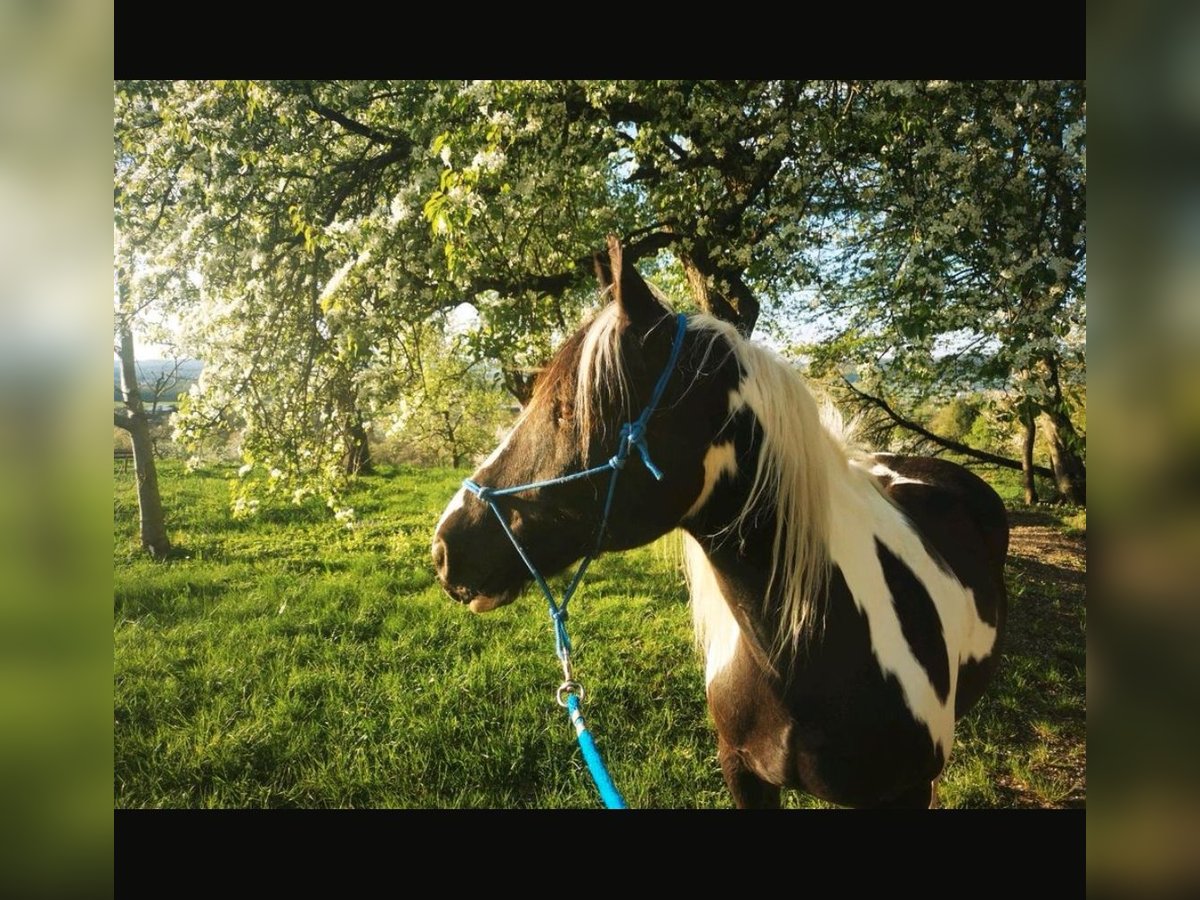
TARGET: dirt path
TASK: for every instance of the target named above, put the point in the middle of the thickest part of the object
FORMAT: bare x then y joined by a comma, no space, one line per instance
1048,622
1044,552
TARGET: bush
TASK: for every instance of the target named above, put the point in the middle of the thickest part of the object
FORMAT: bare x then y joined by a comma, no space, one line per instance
956,418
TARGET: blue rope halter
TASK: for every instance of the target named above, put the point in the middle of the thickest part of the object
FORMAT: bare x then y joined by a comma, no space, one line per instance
633,436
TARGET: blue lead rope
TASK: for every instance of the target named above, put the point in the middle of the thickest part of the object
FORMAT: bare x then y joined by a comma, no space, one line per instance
591,755
633,436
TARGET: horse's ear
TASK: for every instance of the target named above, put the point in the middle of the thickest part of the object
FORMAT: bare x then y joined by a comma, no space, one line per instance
604,273
638,304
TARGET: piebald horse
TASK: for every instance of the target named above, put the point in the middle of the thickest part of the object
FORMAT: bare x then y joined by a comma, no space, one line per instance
848,605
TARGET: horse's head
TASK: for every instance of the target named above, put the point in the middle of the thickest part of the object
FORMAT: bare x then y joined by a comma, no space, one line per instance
599,380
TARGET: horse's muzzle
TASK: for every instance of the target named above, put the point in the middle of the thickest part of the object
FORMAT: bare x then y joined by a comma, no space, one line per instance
477,601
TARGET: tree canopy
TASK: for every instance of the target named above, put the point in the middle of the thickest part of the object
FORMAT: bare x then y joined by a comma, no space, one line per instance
302,232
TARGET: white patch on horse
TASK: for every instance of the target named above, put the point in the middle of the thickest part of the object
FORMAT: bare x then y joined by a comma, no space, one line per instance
966,635
979,638
720,460
879,470
976,638
856,501
717,631
456,503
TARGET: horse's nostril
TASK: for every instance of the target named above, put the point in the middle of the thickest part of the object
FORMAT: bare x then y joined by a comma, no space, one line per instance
439,556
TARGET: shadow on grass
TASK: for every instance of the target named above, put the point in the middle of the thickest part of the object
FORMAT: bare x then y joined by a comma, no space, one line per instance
177,552
1033,722
168,598
1067,582
1031,516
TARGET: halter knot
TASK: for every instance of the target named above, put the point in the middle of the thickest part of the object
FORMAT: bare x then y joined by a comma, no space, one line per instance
486,494
633,434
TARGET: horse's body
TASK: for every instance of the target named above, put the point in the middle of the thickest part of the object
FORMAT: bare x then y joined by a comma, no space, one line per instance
848,605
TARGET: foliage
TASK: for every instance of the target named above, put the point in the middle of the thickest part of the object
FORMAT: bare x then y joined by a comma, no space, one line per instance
958,256
993,428
955,419
934,230
724,174
452,410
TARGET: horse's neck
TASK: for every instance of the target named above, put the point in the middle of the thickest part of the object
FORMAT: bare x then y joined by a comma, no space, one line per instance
735,561
730,565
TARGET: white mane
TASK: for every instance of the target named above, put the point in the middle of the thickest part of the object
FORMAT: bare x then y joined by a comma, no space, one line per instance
601,369
805,445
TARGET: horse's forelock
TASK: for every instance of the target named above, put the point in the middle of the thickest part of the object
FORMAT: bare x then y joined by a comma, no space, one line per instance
601,376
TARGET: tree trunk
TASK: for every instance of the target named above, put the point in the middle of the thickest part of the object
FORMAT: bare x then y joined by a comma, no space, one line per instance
739,306
1029,420
150,510
456,453
1070,473
357,460
519,383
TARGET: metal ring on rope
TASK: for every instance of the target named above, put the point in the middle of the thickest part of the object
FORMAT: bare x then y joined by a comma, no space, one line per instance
567,688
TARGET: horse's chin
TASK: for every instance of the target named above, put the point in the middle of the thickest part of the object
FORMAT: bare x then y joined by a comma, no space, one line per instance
479,602
482,604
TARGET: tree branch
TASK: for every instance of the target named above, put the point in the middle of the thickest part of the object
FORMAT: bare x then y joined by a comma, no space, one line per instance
909,425
558,282
358,128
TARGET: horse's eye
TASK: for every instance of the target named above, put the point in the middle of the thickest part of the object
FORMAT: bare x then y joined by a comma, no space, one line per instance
564,411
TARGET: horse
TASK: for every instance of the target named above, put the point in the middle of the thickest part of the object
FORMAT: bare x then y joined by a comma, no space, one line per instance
848,605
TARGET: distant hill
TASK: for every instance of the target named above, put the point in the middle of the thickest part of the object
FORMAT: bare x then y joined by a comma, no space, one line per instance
151,369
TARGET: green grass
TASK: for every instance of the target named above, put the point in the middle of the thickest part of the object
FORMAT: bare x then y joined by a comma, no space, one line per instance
291,662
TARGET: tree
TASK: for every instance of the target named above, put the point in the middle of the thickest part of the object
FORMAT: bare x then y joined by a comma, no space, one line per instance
133,419
450,405
960,249
295,219
161,385
725,175
321,222
143,204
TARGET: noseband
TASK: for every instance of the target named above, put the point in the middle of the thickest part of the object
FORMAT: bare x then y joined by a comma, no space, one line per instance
633,436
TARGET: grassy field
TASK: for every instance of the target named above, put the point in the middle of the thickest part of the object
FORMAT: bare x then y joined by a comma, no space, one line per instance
292,662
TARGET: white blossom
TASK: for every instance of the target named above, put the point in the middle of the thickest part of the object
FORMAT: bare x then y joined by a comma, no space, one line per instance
488,161
401,211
